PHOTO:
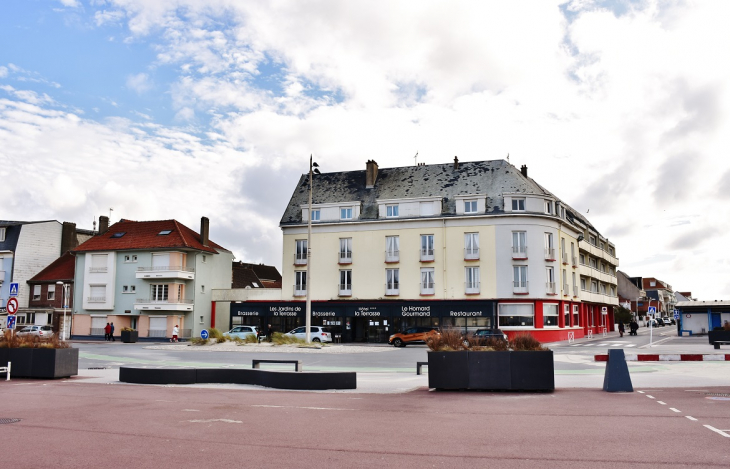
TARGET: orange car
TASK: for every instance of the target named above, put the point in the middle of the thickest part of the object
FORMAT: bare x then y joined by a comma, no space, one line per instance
413,335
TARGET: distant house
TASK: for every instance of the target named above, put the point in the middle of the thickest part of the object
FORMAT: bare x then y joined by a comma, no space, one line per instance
47,296
255,276
148,275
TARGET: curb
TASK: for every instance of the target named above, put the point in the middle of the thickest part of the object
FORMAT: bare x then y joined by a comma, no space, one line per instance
676,357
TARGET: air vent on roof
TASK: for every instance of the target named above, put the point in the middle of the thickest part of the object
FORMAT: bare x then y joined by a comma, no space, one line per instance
119,235
164,232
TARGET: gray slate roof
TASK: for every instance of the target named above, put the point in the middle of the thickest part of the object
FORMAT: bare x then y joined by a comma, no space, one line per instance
491,178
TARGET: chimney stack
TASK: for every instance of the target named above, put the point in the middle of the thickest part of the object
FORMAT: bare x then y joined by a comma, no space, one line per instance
103,224
68,237
204,230
371,174
456,163
523,169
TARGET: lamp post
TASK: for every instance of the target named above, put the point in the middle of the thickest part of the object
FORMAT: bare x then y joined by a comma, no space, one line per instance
651,324
64,287
308,321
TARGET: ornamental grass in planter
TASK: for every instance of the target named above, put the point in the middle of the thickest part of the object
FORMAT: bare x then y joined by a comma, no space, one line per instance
458,362
129,335
35,358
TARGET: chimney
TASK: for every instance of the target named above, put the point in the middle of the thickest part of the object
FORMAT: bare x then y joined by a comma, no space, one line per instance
523,169
204,230
456,163
68,237
103,224
371,174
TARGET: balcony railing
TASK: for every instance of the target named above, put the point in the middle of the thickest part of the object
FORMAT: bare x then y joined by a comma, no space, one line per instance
300,258
300,290
520,288
565,258
97,269
426,255
345,257
549,254
427,288
165,268
566,289
575,261
471,254
392,256
345,290
392,289
172,301
575,291
550,288
471,288
96,299
519,252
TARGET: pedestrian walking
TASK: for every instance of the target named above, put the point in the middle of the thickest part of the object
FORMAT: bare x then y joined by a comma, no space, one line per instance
621,329
175,331
107,331
111,333
270,332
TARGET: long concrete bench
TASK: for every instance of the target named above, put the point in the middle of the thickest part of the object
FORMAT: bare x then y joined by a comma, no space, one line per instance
419,367
311,381
255,364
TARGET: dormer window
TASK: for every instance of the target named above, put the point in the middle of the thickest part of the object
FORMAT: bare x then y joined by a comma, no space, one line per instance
549,207
315,215
391,211
345,213
119,234
2,235
470,206
518,205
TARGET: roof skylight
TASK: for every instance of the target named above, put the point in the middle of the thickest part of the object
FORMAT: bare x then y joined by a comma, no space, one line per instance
119,235
164,232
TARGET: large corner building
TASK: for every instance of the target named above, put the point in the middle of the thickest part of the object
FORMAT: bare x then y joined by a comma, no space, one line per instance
471,245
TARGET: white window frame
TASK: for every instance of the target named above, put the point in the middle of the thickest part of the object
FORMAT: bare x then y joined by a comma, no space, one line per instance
391,211
345,213
530,322
301,253
549,247
36,292
428,284
519,244
300,282
316,214
345,252
471,246
549,207
2,234
470,206
160,292
518,204
519,279
583,284
576,316
51,292
392,248
427,250
566,315
471,280
345,285
550,281
392,281
550,310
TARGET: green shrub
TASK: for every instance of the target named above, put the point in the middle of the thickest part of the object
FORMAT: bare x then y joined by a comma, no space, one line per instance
278,338
198,341
214,333
524,342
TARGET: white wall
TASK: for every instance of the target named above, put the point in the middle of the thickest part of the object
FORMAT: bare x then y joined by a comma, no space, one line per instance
39,244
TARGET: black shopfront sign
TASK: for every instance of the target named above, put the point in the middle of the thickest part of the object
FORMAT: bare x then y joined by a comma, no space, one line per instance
364,309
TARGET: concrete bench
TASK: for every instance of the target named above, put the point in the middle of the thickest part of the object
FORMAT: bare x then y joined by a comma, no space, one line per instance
723,342
297,363
419,367
6,369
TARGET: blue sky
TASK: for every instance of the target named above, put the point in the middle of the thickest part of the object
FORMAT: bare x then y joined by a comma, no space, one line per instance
165,109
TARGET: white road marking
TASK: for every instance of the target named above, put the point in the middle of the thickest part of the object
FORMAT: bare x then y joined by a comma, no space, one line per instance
190,410
215,420
631,345
691,418
641,392
662,403
675,410
296,407
650,397
717,431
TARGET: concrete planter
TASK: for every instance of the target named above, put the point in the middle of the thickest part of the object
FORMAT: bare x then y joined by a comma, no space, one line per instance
130,337
42,363
719,336
492,371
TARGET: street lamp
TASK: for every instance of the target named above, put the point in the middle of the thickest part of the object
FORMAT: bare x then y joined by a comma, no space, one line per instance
308,321
64,287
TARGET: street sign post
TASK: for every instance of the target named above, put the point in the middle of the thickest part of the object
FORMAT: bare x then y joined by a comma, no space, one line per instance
676,314
652,310
203,334
12,306
11,322
13,289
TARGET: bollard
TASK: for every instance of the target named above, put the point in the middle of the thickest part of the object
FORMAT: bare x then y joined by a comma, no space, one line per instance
617,378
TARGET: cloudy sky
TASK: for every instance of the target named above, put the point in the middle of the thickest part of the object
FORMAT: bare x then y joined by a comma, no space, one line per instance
184,108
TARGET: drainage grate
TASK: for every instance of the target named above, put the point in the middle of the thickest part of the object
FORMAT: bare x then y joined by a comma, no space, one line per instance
2,421
717,394
98,368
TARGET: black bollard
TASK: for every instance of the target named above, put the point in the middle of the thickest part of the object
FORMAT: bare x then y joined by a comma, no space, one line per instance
617,378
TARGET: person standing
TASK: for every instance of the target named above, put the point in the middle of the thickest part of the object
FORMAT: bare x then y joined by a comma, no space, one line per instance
175,332
107,331
621,329
111,333
270,332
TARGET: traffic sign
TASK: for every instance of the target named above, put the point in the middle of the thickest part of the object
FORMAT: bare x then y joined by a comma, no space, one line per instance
604,309
652,310
12,306
203,334
676,314
11,322
13,289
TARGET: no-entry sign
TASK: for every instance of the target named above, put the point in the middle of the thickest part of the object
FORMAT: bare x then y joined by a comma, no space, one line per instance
12,305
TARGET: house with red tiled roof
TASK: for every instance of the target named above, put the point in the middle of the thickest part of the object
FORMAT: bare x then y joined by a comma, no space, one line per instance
51,289
150,276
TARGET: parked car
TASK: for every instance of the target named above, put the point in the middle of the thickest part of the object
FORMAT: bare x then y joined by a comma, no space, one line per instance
242,332
412,335
667,321
42,332
654,323
317,333
486,334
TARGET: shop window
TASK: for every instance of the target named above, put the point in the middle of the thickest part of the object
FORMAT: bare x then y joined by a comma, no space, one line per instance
550,314
516,315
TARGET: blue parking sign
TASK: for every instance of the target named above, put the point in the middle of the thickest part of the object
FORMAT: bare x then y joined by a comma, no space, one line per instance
11,321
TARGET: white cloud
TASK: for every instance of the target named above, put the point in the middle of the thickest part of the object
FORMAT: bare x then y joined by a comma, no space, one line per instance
70,3
3,72
140,82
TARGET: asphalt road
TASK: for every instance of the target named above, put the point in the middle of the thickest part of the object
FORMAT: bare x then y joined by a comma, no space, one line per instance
72,424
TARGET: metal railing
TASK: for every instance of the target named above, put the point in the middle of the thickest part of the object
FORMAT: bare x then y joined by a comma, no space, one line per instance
566,289
471,287
300,290
97,331
300,258
565,258
519,252
550,254
550,288
392,256
98,269
345,257
575,261
181,301
96,299
165,268
575,291
157,333
345,290
520,287
392,289
426,254
427,288
471,253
